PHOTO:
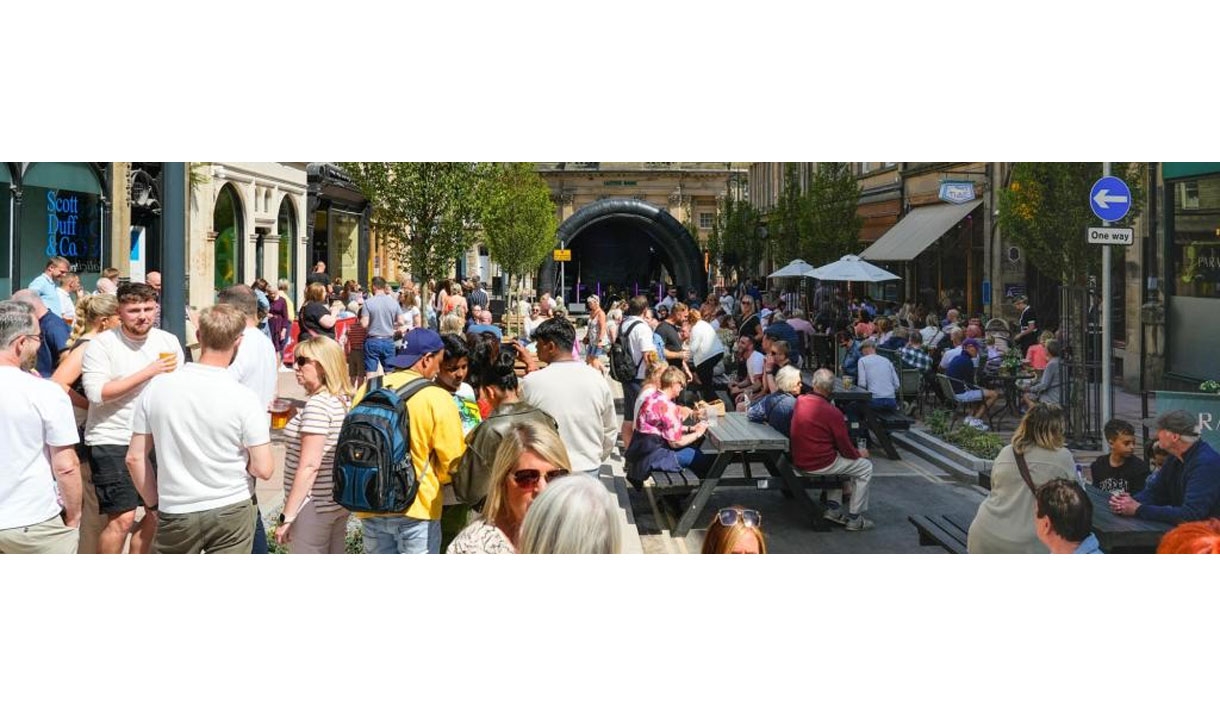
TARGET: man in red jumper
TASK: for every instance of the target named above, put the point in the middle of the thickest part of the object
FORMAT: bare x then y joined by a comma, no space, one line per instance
821,445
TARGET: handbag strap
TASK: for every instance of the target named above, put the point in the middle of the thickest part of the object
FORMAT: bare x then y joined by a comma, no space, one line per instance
1023,467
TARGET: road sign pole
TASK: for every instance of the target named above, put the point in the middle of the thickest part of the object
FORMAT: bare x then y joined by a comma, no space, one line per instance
1105,321
563,295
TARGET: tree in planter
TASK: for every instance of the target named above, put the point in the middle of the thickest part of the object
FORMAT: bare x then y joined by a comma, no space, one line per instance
428,211
833,222
518,219
737,247
789,218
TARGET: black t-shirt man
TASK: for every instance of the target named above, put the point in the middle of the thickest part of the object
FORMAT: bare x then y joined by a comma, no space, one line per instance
673,340
1129,477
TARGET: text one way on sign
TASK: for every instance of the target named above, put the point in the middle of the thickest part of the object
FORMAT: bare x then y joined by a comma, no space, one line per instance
1112,236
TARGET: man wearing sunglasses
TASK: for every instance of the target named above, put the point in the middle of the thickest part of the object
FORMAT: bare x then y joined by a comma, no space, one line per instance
436,444
821,446
38,443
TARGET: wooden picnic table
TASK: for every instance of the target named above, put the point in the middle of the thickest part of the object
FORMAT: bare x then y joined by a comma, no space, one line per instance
1123,534
735,437
855,393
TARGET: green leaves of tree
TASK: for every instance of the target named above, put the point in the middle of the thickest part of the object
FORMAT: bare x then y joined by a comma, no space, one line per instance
1044,209
519,220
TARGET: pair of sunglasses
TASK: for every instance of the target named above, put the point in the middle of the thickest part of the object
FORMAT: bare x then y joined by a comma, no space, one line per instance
529,477
729,517
302,361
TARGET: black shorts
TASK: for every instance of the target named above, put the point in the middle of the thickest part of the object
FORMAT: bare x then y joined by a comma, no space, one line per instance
631,392
116,493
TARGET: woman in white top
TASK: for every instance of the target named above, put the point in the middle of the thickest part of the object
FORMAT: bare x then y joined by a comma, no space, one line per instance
931,330
311,520
706,351
1004,523
528,459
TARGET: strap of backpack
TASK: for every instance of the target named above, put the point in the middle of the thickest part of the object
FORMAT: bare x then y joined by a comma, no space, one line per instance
1023,467
627,343
406,392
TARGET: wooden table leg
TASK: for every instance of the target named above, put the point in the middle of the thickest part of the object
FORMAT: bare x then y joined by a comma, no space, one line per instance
778,465
699,499
883,435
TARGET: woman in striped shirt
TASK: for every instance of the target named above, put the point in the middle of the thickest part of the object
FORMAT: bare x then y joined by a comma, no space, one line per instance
311,521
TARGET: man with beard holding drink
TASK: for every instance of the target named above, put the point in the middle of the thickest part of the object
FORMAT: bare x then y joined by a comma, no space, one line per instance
118,365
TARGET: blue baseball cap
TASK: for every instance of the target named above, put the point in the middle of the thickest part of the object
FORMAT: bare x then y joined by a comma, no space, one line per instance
420,342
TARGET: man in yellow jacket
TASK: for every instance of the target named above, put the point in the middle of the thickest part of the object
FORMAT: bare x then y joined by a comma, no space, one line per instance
436,444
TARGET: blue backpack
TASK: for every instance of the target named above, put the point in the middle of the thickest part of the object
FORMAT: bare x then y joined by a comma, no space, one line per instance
373,467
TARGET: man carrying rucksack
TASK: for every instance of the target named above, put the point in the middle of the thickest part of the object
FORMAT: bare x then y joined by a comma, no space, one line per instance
436,443
636,339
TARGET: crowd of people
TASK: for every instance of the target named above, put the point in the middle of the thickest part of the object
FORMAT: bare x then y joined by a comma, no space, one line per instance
123,440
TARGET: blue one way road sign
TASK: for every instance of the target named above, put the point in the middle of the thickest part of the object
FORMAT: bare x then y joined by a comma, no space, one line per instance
1110,198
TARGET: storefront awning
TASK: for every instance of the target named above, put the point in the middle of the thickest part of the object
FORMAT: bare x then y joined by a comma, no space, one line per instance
916,231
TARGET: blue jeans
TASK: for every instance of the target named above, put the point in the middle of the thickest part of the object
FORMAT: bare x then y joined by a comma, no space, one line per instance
401,535
693,458
377,350
260,533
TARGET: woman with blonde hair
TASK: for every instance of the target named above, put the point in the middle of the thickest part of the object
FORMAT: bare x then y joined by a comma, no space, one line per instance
576,515
529,458
311,520
95,314
1004,523
735,530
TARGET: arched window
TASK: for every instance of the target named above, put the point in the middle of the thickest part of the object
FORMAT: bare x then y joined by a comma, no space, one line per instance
286,227
226,222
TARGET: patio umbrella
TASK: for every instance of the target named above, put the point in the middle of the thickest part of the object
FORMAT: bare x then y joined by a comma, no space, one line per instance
852,269
796,269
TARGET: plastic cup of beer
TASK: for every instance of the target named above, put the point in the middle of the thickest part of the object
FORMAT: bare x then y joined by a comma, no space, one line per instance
172,357
280,411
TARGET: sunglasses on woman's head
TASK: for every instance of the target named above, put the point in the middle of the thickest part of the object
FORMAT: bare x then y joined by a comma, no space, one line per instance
749,517
530,477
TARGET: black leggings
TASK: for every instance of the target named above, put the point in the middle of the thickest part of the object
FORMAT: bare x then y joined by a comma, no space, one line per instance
705,370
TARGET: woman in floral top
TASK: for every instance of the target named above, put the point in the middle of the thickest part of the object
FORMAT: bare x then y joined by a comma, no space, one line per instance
529,457
662,417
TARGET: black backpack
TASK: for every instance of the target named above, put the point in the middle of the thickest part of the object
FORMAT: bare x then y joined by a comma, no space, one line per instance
622,367
373,467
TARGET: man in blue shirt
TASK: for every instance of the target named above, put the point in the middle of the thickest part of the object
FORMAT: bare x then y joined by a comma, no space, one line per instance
961,376
1063,518
44,286
55,333
1187,488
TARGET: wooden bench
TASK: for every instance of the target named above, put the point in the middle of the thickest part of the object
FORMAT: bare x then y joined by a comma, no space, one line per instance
942,531
674,482
894,421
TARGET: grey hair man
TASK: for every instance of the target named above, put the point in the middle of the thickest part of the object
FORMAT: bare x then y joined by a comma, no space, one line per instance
1063,518
821,446
38,442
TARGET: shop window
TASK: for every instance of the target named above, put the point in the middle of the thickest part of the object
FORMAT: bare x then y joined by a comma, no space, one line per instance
226,223
1195,238
286,228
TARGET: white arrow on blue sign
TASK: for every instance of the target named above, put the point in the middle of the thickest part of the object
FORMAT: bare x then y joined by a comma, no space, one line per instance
1110,198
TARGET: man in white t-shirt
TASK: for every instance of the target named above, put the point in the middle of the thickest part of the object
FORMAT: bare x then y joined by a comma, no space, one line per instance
641,350
255,367
255,364
117,367
37,438
575,394
751,385
211,434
